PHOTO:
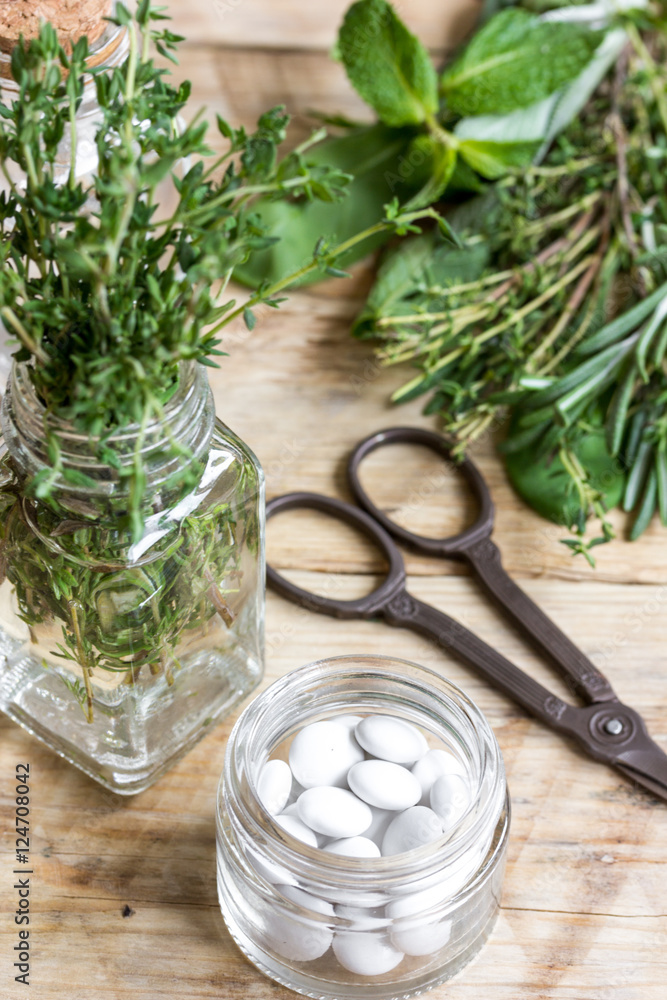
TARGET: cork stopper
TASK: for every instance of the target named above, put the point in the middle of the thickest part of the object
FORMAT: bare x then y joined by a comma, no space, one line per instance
70,18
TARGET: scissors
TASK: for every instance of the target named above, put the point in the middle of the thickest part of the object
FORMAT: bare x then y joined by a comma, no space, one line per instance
604,727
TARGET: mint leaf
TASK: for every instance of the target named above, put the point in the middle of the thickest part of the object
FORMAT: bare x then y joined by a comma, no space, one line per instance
387,65
515,60
494,159
376,156
397,277
440,160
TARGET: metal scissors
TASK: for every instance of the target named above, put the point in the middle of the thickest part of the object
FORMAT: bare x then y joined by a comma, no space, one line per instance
604,727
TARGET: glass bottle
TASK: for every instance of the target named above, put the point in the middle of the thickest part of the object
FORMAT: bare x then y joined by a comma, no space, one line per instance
418,916
119,654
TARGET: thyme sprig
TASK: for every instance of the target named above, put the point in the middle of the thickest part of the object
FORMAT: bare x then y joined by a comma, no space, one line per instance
552,321
105,296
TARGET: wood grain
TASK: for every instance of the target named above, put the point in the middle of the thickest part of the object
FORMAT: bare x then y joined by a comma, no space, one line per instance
292,24
584,912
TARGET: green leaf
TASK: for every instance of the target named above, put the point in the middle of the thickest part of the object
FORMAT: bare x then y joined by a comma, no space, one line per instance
441,160
397,277
623,324
249,318
618,409
515,60
646,508
545,485
638,475
387,65
648,336
495,159
464,179
661,477
377,158
423,261
598,368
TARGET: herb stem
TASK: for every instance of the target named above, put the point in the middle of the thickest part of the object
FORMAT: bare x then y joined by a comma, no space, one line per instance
10,316
469,286
493,331
316,263
547,222
74,609
655,79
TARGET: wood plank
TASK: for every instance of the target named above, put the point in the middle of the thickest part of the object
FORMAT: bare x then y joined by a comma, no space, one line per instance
292,24
584,895
241,84
583,914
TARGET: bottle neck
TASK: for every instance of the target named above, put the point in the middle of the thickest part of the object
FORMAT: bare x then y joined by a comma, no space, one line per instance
162,447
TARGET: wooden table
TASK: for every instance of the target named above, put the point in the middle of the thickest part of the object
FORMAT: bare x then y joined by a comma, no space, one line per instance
124,898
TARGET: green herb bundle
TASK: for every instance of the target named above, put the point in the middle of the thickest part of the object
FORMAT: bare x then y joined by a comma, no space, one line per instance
109,300
546,136
552,322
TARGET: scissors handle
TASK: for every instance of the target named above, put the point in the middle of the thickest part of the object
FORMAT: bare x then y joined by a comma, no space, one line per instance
606,729
475,546
538,628
451,548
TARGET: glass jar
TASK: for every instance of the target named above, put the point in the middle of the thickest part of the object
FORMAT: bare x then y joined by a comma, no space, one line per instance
120,653
291,908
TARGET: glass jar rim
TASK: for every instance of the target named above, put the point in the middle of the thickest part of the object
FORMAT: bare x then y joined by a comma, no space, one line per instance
241,758
187,418
21,387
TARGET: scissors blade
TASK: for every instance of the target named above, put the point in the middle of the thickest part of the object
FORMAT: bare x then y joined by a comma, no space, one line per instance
648,767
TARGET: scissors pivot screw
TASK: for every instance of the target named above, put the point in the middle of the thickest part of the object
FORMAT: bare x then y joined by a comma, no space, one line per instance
614,727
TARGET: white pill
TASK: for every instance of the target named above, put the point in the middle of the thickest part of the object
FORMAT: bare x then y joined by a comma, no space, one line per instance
365,953
351,721
335,812
341,896
354,847
381,820
294,826
300,938
391,739
291,810
450,798
274,786
295,792
431,767
323,753
415,938
309,902
421,901
384,785
413,828
432,896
